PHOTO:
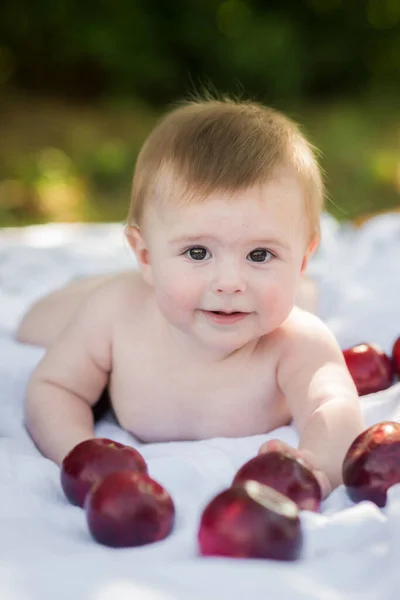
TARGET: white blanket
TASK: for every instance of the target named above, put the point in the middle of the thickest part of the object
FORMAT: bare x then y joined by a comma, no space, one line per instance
46,553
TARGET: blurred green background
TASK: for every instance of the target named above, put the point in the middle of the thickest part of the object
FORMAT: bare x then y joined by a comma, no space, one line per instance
82,83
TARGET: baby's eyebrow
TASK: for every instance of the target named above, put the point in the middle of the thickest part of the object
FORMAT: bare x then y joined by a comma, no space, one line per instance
192,238
209,238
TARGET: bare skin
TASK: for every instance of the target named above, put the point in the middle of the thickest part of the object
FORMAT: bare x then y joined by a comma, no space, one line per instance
176,374
45,319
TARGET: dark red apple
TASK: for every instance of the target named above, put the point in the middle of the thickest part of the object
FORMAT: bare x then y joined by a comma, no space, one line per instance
370,368
90,460
372,463
129,509
396,357
287,474
250,520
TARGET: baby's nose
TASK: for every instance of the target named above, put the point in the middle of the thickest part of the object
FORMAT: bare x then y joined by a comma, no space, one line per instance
229,280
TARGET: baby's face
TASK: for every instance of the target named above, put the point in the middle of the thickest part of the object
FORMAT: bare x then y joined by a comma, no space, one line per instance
242,254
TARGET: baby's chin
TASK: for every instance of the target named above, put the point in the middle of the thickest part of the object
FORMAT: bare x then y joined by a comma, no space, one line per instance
220,339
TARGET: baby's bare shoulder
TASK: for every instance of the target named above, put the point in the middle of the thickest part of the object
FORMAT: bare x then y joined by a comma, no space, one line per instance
301,335
304,332
107,305
119,292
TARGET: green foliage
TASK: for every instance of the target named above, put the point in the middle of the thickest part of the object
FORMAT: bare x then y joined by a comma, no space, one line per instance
77,80
277,51
64,163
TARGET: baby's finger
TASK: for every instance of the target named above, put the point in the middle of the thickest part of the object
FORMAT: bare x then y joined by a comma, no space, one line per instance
276,446
324,484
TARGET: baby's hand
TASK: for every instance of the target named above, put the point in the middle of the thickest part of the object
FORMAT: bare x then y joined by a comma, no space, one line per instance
307,457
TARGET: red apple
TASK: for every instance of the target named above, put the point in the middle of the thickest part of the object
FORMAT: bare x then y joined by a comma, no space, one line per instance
250,520
370,368
129,509
90,460
287,474
372,463
396,357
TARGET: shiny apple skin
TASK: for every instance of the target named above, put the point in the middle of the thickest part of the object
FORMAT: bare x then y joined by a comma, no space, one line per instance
396,357
238,524
285,473
91,460
370,368
128,508
372,463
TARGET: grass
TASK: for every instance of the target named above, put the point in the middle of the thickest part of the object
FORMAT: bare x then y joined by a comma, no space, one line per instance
68,163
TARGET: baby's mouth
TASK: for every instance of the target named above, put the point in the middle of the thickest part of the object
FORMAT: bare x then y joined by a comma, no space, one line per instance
220,316
221,312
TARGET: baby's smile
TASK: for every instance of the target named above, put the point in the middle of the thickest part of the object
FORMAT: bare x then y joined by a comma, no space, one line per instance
225,318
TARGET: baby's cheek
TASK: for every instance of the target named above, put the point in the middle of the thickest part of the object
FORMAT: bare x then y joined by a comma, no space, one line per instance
184,293
176,294
279,300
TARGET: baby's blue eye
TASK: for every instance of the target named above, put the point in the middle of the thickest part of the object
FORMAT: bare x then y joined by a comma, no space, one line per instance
261,255
196,252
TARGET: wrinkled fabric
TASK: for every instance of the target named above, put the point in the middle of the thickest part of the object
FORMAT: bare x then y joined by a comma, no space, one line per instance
350,550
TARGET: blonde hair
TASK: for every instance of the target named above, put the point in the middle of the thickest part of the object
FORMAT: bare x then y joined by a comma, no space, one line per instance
226,145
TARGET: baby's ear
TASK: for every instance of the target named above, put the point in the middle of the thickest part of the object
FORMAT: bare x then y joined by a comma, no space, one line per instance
139,247
310,249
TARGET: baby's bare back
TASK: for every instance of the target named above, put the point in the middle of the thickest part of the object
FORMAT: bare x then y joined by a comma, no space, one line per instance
159,394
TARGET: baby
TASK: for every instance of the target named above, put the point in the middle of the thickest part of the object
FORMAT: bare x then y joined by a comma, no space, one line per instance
204,339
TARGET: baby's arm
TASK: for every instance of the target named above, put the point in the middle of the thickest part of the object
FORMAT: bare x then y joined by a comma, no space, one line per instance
321,396
70,378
